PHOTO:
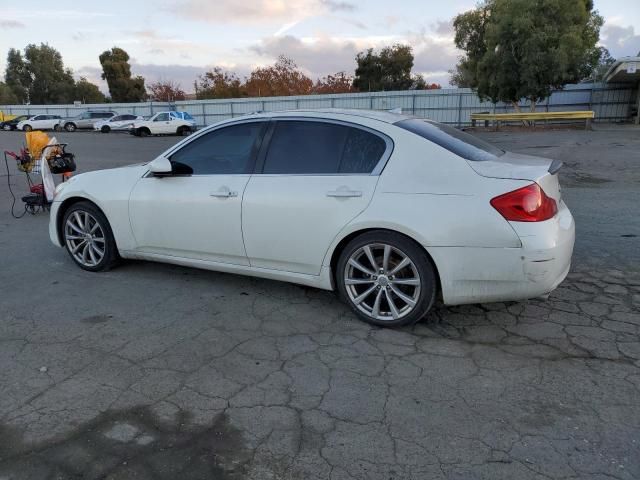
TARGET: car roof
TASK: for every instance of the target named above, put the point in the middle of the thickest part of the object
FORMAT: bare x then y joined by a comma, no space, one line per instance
380,115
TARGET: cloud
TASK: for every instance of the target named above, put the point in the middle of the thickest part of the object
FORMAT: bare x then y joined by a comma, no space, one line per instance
257,11
337,6
11,24
432,53
444,28
320,56
620,41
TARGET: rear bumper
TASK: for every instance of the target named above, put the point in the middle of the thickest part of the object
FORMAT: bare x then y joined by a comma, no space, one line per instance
477,275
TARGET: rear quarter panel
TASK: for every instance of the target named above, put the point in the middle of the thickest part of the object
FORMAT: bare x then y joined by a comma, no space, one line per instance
433,195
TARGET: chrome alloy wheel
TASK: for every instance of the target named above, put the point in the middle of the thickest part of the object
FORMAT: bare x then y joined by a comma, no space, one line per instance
85,238
382,282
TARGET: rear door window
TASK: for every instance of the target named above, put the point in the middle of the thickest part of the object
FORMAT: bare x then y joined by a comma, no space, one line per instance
317,148
456,141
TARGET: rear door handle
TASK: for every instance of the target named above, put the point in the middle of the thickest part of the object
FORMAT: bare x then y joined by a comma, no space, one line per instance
224,193
344,193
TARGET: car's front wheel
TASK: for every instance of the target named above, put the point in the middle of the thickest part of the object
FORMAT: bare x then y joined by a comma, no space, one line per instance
27,128
386,278
6,127
88,237
105,129
70,127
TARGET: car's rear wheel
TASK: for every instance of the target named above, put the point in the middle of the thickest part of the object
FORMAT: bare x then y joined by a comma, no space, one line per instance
6,127
56,128
386,278
88,237
105,129
27,128
70,127
184,131
144,132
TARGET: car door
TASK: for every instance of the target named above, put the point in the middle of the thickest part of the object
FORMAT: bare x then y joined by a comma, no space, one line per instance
38,122
314,177
196,212
161,124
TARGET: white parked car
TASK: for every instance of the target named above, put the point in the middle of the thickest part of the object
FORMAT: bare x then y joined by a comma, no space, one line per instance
165,123
40,122
117,122
389,210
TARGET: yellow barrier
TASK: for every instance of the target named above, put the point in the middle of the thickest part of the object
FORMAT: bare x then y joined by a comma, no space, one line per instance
586,115
5,118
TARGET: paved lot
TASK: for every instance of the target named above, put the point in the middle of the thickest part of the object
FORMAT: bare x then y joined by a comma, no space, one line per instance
157,371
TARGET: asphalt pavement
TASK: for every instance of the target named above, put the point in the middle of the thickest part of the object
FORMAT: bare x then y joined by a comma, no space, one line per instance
154,371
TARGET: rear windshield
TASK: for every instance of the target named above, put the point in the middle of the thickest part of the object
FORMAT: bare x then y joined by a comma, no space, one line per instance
456,141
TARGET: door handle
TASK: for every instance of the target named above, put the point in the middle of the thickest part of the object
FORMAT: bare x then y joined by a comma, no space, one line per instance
223,194
344,193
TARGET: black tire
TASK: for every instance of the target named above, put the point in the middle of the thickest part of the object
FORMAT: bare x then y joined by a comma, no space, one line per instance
70,127
6,127
144,132
105,129
425,269
111,256
27,128
184,131
56,128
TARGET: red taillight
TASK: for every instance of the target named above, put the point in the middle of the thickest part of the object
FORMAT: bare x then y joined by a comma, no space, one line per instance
527,204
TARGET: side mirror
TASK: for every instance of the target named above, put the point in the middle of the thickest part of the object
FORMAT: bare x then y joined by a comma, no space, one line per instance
160,166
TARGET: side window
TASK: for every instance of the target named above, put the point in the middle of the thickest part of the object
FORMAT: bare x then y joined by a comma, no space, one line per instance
38,117
306,147
163,117
362,151
228,150
117,119
127,117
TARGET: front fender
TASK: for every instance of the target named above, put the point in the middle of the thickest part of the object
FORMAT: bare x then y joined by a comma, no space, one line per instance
109,190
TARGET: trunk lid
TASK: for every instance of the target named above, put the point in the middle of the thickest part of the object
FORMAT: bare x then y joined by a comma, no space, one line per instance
515,166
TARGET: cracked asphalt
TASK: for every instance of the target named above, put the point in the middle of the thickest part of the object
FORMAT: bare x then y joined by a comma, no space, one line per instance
153,371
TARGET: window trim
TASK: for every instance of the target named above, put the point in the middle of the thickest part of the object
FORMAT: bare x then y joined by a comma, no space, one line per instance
262,155
254,150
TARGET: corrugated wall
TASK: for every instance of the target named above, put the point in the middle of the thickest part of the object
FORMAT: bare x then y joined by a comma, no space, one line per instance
453,106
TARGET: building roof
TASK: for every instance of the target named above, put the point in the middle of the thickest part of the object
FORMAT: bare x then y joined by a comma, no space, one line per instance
624,70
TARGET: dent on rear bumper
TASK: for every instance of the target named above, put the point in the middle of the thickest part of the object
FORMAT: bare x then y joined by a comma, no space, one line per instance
476,275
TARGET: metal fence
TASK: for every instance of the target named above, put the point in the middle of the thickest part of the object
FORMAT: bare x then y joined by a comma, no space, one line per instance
611,103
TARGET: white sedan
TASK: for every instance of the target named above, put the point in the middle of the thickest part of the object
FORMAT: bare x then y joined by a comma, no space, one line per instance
389,210
40,122
117,122
164,123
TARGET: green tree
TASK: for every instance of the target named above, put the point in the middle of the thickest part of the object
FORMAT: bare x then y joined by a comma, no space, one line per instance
16,76
7,97
88,92
51,82
470,28
602,65
524,49
116,70
389,69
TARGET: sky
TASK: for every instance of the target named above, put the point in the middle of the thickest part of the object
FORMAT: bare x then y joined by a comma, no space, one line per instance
180,39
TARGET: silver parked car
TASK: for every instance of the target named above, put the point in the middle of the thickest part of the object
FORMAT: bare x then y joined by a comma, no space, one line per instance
85,119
